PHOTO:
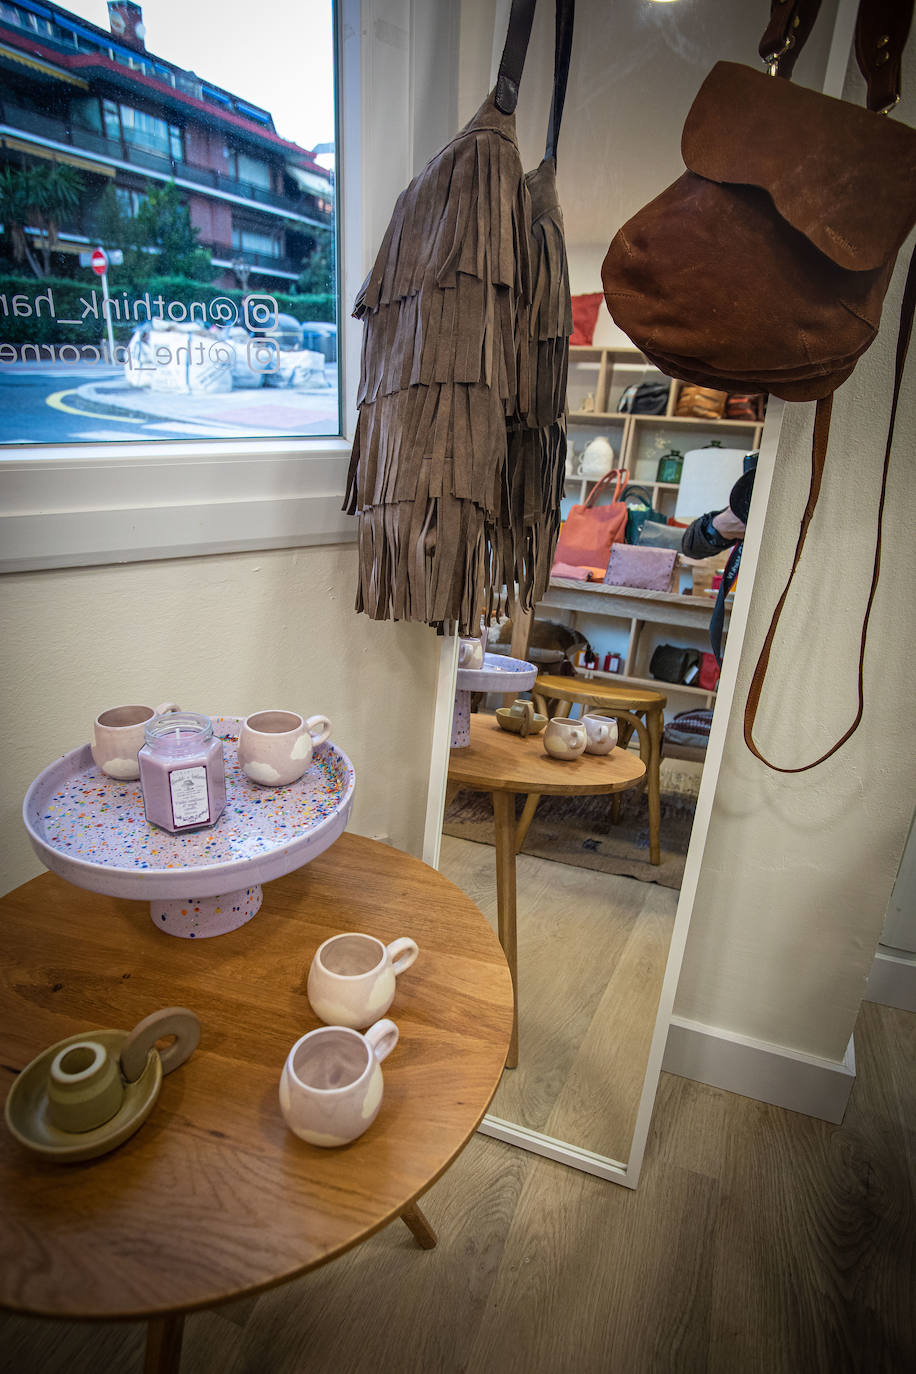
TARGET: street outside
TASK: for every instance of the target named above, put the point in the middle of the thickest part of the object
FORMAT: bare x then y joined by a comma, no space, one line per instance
53,403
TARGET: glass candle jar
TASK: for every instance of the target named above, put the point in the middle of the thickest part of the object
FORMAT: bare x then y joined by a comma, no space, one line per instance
182,772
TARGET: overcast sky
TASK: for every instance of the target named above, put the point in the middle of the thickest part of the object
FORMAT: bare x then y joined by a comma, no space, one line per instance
276,54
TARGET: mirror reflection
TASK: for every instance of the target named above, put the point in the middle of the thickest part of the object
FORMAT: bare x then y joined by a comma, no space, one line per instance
580,870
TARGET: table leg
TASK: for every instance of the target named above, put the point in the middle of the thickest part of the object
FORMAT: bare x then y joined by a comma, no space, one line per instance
625,730
451,791
653,725
163,1344
419,1227
504,824
525,819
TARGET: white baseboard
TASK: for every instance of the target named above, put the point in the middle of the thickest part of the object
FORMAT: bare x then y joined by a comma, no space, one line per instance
754,1068
892,980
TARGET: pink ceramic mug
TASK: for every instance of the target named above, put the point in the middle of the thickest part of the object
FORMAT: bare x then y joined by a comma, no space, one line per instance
601,732
275,747
118,736
331,1086
353,978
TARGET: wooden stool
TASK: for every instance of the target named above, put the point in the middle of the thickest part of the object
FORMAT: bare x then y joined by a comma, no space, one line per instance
636,708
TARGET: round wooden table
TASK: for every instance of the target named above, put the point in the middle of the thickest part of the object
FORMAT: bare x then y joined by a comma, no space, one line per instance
504,764
213,1197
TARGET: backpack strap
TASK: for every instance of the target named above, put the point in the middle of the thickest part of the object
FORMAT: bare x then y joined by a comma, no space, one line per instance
512,62
818,460
791,21
882,27
881,33
566,14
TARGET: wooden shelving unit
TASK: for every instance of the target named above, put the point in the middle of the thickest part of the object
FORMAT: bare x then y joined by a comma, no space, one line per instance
604,373
612,370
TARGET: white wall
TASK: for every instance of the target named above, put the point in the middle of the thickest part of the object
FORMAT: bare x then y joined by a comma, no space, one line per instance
226,634
798,871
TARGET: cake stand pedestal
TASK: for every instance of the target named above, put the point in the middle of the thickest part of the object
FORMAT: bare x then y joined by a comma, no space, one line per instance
93,831
498,674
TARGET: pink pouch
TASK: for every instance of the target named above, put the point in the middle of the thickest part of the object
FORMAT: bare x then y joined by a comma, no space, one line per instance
636,565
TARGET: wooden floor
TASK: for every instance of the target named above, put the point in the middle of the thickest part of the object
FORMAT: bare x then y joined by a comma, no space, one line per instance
759,1242
592,949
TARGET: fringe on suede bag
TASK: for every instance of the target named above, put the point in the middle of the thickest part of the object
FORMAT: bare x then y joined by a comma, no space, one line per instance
457,466
764,267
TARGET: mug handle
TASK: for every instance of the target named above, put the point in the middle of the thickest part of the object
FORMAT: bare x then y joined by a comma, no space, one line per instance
382,1038
319,727
177,1021
167,706
402,953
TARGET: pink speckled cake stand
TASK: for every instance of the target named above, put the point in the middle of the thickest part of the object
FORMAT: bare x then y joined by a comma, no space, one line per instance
93,831
498,674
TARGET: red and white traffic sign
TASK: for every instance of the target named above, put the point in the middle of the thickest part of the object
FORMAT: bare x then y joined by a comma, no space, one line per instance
99,262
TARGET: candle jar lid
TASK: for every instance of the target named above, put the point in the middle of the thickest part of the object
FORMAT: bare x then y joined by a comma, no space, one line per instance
178,732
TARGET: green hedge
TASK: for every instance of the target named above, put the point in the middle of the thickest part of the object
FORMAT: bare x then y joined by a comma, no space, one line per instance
48,309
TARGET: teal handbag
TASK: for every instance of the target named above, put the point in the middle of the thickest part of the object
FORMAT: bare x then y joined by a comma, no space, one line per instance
639,510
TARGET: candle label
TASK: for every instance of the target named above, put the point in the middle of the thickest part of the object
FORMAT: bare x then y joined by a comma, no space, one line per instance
190,800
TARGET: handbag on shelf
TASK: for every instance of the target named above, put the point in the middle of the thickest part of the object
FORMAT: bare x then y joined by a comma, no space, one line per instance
653,535
744,406
590,530
669,663
632,565
791,213
639,511
700,403
648,398
709,672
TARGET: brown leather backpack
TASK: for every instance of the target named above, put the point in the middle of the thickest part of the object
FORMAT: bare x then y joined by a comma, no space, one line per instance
764,267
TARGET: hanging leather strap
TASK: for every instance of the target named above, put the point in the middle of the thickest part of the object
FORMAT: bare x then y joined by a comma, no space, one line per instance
512,62
818,460
882,27
566,14
791,21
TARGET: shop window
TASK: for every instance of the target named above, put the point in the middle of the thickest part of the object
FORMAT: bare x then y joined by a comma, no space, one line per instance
179,317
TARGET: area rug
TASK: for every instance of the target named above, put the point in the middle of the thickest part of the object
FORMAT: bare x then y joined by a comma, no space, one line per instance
578,830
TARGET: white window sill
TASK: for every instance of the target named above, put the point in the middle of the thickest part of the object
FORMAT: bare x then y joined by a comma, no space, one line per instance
170,501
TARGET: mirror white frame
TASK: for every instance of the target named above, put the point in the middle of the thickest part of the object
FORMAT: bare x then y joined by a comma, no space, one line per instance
618,1171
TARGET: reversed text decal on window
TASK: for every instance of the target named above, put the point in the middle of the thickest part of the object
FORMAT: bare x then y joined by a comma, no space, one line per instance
167,242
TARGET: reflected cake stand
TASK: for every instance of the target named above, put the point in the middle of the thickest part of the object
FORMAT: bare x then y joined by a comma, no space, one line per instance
498,674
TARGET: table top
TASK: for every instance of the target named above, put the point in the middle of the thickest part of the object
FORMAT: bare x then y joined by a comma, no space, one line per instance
497,761
92,829
214,1197
584,689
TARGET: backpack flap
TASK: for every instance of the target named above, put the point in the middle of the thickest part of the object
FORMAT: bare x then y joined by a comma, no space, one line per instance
855,200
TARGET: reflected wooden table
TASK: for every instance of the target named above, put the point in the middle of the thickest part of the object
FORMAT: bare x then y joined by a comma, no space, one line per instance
214,1198
504,765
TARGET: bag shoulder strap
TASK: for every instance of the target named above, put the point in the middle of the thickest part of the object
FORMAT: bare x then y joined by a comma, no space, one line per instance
566,14
882,27
818,460
619,475
512,62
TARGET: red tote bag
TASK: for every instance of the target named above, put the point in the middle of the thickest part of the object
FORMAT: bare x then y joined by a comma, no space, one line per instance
590,530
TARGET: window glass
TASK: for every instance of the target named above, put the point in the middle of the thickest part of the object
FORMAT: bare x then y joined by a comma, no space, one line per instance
168,211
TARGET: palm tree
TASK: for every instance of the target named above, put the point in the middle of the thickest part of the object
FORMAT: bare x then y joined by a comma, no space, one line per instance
38,197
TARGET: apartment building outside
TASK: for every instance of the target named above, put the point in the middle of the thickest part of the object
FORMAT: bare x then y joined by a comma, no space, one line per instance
98,101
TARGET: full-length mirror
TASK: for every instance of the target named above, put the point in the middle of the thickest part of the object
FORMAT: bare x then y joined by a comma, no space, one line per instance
582,877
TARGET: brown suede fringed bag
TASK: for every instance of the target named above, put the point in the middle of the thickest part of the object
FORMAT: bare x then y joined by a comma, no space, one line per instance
764,267
457,465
